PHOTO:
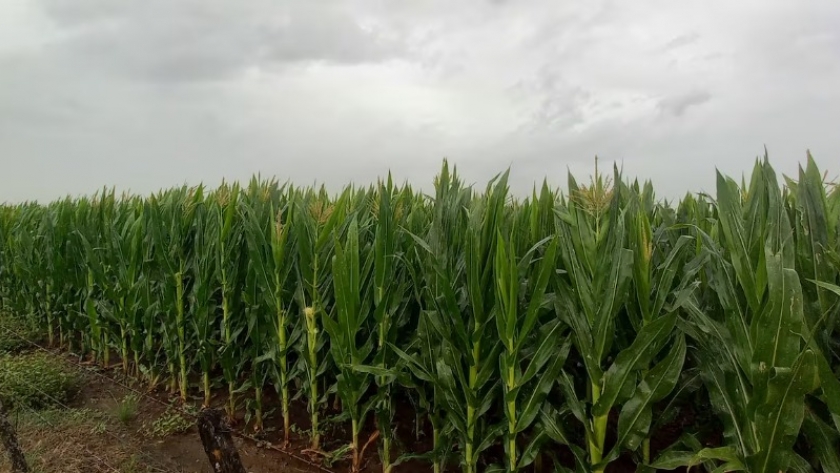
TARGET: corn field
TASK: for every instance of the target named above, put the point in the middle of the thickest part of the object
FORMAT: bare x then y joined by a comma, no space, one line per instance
562,332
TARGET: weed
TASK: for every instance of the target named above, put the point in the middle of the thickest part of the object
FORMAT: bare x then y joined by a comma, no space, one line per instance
127,408
99,427
52,418
35,381
339,454
14,333
169,423
134,464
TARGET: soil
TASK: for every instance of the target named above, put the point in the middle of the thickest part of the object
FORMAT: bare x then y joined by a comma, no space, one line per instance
58,442
125,448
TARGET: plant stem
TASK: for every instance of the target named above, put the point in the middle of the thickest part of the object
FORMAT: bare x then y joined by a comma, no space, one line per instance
282,345
511,407
599,424
471,420
206,389
386,453
182,357
355,446
124,349
50,326
173,378
436,466
384,428
258,425
104,347
231,404
312,345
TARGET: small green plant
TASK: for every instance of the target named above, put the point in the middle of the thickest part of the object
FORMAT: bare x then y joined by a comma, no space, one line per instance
14,333
55,417
135,464
126,410
99,427
171,422
36,381
337,455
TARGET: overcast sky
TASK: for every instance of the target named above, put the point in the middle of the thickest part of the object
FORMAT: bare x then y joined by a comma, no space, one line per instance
144,95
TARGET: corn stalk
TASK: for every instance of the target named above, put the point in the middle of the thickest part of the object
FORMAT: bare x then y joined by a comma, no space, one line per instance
519,332
754,355
314,220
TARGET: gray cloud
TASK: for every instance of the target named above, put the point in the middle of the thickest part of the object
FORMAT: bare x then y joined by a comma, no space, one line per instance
678,104
681,40
212,40
144,95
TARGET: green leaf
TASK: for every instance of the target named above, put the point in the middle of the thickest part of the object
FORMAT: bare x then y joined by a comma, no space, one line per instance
612,300
776,330
731,461
831,287
573,401
529,454
779,417
533,403
637,356
824,441
736,238
546,348
550,424
636,414
544,272
673,459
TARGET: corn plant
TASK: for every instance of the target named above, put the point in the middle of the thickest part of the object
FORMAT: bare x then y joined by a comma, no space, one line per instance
598,303
46,268
61,289
91,213
265,247
350,346
25,265
172,227
202,271
518,332
752,337
72,277
258,338
419,359
660,280
436,268
314,220
153,342
127,254
598,267
598,263
390,287
816,242
464,374
270,258
228,248
415,369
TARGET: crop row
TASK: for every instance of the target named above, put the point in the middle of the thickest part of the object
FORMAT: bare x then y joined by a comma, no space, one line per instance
587,319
